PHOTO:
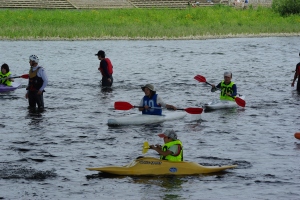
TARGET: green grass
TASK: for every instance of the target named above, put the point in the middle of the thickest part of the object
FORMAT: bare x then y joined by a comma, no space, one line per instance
142,23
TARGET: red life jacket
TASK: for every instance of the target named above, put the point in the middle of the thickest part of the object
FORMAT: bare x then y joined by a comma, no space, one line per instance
109,66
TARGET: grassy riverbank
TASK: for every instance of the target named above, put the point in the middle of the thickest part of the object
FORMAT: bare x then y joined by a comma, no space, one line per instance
194,23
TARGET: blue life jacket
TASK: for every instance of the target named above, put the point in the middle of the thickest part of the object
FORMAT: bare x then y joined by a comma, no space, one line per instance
151,103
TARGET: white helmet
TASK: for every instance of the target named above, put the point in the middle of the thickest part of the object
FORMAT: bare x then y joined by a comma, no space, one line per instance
34,58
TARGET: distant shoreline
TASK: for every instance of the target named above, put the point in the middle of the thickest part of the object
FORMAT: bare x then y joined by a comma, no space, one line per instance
217,22
204,37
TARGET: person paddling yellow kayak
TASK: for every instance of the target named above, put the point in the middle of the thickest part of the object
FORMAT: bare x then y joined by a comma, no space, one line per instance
172,149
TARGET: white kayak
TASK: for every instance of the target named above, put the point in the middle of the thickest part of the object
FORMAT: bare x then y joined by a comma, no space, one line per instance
138,119
221,104
5,88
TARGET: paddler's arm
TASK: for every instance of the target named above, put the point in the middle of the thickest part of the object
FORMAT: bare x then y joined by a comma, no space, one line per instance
41,73
215,88
141,107
158,149
163,104
234,91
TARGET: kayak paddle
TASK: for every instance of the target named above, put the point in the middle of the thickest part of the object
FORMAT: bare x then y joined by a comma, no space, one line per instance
145,147
122,105
26,76
239,101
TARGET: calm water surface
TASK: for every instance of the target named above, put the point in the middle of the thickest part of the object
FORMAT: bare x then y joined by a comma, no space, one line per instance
44,155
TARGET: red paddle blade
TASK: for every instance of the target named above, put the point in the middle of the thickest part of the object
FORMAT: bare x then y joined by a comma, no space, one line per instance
194,110
122,105
25,76
200,78
240,102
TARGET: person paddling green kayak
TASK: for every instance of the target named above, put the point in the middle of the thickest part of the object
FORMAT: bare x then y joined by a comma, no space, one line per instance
151,102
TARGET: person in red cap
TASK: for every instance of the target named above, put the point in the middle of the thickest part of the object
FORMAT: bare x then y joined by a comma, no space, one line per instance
172,149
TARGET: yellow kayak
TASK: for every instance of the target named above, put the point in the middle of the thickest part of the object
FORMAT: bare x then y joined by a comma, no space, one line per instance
153,166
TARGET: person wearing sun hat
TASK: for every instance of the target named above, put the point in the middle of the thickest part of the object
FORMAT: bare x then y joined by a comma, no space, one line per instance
297,76
151,103
228,88
172,149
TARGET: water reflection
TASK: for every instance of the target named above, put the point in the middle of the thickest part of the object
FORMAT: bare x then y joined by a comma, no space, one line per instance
106,90
36,116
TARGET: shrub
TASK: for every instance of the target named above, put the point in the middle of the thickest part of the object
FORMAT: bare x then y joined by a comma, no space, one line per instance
286,7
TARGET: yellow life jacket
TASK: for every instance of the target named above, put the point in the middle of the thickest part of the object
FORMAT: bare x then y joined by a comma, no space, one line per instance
3,80
226,89
178,157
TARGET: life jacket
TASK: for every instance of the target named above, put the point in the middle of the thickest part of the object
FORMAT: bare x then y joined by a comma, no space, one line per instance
178,157
151,103
109,67
3,80
226,89
35,82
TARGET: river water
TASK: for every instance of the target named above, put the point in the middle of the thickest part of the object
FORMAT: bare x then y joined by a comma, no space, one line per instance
45,155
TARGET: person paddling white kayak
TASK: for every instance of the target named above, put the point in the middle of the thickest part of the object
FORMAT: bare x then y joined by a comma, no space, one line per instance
227,87
151,102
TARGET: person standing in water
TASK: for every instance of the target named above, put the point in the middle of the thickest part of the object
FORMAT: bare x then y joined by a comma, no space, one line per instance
106,69
36,84
297,76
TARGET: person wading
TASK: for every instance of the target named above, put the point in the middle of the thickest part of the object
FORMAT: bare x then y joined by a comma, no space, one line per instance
36,84
106,69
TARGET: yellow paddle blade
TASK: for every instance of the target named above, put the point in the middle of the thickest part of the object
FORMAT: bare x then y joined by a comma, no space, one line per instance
145,147
144,150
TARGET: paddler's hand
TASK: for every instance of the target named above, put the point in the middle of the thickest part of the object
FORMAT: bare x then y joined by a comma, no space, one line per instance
155,147
109,80
213,88
39,92
146,107
171,107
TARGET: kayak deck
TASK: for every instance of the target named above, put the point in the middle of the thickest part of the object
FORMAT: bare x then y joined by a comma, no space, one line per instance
138,119
4,88
221,104
152,166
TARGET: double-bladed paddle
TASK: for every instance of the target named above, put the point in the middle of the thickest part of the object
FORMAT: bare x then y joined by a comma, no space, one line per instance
239,101
122,105
26,76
